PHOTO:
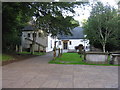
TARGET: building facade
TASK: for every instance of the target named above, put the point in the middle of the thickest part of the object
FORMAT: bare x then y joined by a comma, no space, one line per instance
40,38
70,41
67,42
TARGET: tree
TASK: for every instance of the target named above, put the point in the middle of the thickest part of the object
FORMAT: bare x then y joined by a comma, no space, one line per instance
101,27
51,18
14,17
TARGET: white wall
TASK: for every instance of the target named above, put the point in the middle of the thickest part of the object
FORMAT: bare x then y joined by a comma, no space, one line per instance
26,43
76,42
48,41
51,42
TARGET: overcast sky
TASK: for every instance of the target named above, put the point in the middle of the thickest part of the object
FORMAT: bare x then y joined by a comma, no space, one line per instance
84,12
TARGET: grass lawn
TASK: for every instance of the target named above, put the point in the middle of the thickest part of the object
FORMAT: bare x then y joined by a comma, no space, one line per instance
35,53
73,58
5,57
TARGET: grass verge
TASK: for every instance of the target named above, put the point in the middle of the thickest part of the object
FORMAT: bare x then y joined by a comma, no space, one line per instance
35,53
73,58
5,57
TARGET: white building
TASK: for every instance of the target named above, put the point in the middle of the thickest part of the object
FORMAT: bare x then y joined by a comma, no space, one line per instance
69,42
27,37
63,41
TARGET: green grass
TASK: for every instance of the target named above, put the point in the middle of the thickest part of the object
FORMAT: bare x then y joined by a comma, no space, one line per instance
4,57
35,53
73,58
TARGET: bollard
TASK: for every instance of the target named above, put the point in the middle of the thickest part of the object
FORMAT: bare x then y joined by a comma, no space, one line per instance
54,54
59,52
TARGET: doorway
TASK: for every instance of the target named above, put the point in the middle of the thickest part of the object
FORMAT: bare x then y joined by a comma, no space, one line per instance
65,45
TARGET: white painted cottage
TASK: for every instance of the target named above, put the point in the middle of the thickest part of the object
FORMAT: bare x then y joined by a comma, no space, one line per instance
69,42
46,41
66,42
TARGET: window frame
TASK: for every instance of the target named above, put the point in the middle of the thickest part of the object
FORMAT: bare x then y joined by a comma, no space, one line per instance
28,35
70,42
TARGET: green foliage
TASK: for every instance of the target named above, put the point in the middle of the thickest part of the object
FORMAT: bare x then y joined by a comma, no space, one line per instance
35,53
50,18
5,57
69,58
14,18
101,27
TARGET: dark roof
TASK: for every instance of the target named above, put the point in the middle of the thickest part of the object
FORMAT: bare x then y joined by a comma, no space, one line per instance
77,33
28,28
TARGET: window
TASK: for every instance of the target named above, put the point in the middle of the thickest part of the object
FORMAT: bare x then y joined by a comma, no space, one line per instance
70,43
59,42
51,43
28,34
81,40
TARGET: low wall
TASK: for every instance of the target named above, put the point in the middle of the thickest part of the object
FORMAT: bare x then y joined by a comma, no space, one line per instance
96,57
115,58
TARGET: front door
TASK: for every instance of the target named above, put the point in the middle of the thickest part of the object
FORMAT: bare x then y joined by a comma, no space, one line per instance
65,45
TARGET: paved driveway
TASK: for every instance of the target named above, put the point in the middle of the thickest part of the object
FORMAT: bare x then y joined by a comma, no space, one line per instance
37,73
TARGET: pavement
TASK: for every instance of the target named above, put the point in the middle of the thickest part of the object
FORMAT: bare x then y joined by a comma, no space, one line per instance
37,73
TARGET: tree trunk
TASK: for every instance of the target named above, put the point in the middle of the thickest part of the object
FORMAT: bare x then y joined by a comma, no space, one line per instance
59,52
20,48
54,54
103,47
39,48
16,48
43,49
33,43
33,46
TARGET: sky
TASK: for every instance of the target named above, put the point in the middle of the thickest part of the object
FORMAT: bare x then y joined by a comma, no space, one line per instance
84,12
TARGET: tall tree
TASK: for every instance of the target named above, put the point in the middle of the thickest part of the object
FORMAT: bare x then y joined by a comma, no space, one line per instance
51,18
14,18
101,26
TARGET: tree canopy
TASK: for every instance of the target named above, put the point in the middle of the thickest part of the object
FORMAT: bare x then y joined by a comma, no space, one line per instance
14,17
102,26
51,18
